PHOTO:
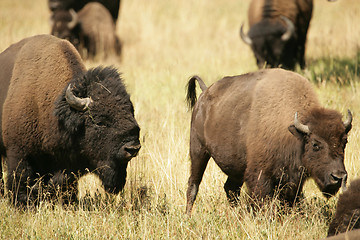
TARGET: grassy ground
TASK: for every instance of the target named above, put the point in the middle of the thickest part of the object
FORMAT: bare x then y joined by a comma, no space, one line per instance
166,42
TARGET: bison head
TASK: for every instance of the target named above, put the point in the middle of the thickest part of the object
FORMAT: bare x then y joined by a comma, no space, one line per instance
97,117
323,138
273,43
65,25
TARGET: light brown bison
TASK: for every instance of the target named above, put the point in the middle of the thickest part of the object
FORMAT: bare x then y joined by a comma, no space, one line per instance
347,216
91,30
351,235
60,120
268,129
112,5
278,30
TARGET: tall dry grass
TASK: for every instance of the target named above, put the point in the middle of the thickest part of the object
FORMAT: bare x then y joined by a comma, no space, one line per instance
165,42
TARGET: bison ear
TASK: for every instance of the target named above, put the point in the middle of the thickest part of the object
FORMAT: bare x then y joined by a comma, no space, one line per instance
299,135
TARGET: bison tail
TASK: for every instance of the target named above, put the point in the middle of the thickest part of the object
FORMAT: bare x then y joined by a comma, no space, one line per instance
191,90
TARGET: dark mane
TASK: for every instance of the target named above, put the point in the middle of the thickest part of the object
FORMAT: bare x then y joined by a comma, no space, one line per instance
71,121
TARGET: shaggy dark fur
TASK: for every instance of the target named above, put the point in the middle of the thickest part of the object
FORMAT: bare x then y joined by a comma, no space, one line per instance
347,216
92,33
112,5
46,138
246,124
267,27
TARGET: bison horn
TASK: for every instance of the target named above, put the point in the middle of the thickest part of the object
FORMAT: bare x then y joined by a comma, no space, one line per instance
245,37
290,29
299,126
80,104
74,19
348,120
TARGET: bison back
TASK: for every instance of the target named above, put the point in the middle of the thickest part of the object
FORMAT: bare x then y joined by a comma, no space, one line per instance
241,116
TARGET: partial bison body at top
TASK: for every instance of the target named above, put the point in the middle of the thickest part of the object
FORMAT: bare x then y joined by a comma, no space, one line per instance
347,216
112,5
268,129
91,30
278,30
60,121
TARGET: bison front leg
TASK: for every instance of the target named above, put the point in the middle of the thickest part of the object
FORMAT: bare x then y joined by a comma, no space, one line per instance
259,185
199,159
20,179
63,186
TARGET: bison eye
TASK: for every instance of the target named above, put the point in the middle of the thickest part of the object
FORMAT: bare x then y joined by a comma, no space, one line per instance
316,147
100,124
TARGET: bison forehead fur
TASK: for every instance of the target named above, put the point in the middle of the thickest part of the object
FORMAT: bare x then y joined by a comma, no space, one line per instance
248,125
45,134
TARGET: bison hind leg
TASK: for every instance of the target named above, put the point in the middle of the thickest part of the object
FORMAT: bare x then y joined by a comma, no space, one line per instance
199,160
232,189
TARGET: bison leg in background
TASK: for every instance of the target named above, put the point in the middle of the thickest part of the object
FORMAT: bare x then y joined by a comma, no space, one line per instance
63,186
232,188
199,159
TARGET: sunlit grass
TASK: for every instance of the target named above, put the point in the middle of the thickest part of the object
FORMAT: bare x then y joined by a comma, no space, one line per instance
165,43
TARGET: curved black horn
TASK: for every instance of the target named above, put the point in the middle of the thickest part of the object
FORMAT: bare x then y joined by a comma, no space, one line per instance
299,126
290,29
80,104
245,37
74,19
348,121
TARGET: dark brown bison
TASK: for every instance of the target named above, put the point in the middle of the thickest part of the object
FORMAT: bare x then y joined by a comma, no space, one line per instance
91,30
278,30
112,6
347,216
60,121
268,129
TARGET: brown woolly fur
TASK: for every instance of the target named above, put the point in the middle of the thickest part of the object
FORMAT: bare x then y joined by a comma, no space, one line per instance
267,26
46,138
347,216
247,125
112,5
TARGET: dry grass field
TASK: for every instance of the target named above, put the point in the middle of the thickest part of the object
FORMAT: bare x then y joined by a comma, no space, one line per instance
165,43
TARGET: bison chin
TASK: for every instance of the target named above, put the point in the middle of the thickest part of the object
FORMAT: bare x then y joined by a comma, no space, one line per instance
331,185
113,179
331,189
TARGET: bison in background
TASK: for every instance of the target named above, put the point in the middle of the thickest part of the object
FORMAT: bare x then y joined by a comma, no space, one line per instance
278,30
112,6
60,121
91,30
347,216
350,235
269,130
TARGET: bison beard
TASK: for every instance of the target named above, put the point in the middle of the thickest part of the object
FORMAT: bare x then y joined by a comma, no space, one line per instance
73,122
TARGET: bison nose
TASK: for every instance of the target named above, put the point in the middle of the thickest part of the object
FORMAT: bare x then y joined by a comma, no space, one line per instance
132,150
336,177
